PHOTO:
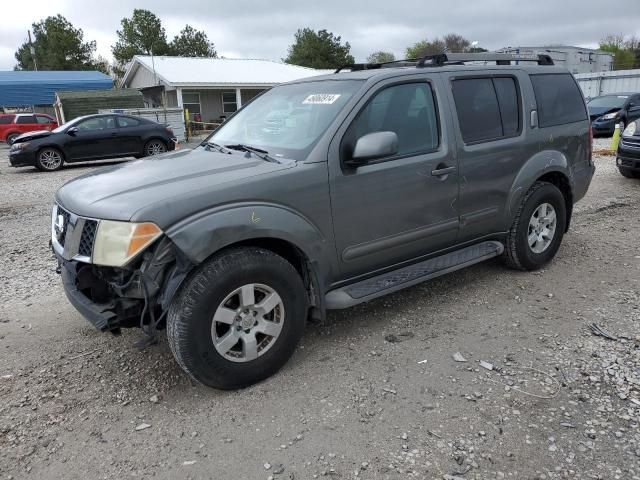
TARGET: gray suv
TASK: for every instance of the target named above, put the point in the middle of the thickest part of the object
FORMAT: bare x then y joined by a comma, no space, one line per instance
321,194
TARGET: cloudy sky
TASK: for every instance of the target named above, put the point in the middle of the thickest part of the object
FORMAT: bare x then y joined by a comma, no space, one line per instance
264,29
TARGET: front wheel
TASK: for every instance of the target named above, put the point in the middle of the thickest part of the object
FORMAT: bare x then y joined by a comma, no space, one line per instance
49,159
238,319
538,228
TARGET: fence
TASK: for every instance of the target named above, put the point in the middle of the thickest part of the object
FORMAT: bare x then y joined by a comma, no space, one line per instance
603,83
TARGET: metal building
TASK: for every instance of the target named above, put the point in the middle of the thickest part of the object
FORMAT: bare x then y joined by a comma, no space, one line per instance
604,83
574,59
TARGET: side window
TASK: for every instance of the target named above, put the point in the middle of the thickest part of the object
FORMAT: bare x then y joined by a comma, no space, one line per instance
488,108
124,122
42,119
23,119
6,119
409,110
96,123
558,98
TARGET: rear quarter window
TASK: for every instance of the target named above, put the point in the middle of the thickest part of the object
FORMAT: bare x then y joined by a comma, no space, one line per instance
558,98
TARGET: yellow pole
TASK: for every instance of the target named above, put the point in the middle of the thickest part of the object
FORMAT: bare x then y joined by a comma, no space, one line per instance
188,123
615,139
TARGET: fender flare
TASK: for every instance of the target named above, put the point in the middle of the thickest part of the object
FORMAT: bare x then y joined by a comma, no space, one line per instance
539,165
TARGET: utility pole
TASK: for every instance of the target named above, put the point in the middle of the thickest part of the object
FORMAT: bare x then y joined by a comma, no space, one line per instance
32,49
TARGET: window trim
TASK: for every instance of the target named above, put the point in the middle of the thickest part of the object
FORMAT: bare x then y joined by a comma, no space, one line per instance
438,147
584,103
199,102
235,102
514,77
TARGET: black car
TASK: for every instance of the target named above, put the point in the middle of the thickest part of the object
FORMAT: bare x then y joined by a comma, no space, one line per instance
608,110
628,155
92,137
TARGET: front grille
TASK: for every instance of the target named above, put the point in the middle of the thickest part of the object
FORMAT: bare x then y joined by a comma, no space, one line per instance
631,141
88,236
65,225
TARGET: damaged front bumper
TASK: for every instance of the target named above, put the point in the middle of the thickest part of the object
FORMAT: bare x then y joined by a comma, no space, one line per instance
136,296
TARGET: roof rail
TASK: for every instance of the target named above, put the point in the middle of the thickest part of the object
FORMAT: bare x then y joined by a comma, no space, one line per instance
354,67
500,59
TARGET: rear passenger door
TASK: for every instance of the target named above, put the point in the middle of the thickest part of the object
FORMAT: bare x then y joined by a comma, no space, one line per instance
26,123
488,112
130,135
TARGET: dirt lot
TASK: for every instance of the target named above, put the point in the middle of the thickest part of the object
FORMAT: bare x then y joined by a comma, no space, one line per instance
374,394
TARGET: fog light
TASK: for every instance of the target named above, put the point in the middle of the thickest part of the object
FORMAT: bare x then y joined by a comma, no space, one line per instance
619,161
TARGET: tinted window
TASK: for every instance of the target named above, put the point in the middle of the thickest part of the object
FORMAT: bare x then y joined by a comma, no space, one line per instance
507,94
408,110
43,119
124,122
95,123
26,119
558,98
6,119
478,110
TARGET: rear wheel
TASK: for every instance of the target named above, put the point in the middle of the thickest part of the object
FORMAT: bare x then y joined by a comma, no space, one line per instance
538,228
628,173
238,319
154,147
11,138
49,159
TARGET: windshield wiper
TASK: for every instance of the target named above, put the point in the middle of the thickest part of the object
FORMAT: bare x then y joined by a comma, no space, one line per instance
258,152
220,148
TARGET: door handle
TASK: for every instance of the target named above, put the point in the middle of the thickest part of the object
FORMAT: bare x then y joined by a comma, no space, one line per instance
442,171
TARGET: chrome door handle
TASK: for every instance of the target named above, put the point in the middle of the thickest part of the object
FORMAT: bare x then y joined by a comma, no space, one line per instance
439,172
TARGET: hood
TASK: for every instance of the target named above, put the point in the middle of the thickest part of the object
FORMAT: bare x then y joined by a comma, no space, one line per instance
595,112
163,188
25,137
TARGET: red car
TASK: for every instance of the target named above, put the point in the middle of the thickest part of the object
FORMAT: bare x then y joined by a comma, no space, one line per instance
15,124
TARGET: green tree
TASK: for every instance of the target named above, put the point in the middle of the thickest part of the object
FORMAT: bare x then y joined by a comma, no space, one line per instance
425,47
58,46
319,49
624,57
381,57
142,34
192,43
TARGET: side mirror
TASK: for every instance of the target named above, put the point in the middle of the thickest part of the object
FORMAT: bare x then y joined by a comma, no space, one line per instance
372,146
72,131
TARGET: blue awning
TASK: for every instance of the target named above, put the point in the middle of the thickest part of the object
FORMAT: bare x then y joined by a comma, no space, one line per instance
23,88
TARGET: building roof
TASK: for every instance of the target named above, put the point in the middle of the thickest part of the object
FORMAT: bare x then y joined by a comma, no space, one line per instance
21,88
190,71
77,104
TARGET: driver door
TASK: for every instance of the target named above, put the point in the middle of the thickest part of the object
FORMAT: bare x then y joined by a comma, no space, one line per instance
396,208
95,138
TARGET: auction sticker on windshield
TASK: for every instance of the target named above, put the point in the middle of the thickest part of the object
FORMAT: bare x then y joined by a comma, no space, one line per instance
321,98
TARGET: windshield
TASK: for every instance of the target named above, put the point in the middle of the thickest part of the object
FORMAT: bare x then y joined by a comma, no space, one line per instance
608,101
287,121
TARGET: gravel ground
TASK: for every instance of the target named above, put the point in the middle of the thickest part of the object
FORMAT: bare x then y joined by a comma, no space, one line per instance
376,393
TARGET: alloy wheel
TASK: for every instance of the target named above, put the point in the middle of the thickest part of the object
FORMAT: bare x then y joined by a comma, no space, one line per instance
50,159
542,228
247,322
156,148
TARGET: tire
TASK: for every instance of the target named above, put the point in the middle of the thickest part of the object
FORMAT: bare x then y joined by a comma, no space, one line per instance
154,147
520,254
11,138
625,172
49,159
191,328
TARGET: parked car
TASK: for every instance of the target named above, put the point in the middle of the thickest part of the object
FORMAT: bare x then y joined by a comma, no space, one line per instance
92,137
12,125
608,110
374,180
628,155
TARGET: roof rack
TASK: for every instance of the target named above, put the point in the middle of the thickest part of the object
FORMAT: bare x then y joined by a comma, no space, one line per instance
354,67
442,59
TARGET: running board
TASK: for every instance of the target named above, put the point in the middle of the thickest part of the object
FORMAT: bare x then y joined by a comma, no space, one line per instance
407,276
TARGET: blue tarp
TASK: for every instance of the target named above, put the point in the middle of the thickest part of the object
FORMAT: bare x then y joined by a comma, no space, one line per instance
23,88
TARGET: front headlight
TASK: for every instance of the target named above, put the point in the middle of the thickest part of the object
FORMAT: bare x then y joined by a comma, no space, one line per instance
630,130
117,243
19,146
610,116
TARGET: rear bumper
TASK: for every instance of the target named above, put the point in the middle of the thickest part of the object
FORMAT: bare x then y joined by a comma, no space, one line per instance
581,181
